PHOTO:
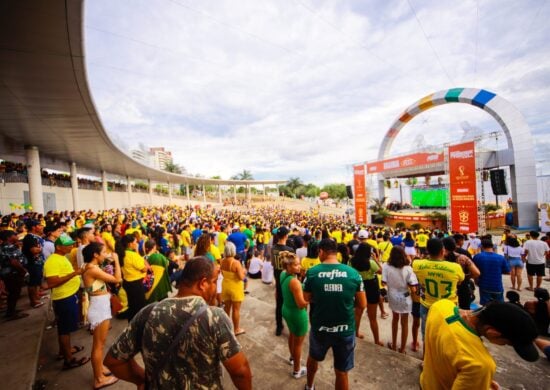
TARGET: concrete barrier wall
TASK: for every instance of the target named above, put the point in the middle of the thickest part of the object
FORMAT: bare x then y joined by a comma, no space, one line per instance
62,199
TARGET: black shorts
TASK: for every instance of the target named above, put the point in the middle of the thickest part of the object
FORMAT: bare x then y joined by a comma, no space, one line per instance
535,269
415,311
372,289
66,312
36,272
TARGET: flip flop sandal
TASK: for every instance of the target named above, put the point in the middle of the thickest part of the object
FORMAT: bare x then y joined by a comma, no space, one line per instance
240,333
74,349
74,363
111,381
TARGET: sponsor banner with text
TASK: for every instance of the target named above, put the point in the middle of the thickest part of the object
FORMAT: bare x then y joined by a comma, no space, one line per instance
360,193
414,160
463,187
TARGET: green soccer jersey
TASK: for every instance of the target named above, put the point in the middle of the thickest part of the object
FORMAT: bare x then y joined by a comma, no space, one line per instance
333,288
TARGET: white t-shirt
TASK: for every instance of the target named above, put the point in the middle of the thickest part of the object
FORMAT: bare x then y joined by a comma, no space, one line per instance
255,265
398,279
301,253
537,251
513,252
267,272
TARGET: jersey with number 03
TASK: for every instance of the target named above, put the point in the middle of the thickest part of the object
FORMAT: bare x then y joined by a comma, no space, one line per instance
438,279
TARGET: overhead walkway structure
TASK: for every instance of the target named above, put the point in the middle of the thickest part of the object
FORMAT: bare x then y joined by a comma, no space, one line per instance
47,115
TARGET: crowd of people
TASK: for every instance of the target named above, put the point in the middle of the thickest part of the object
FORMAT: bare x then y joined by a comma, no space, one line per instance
192,266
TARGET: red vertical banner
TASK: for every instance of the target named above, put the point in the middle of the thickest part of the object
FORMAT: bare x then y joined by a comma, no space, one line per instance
463,183
360,195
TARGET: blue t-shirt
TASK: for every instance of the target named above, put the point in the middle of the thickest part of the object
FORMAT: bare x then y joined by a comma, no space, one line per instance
491,267
195,234
239,239
396,240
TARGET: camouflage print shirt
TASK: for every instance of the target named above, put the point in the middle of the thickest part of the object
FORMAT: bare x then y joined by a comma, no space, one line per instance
196,362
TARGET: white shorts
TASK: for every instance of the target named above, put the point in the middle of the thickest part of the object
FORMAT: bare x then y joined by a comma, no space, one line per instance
398,302
410,250
219,283
99,310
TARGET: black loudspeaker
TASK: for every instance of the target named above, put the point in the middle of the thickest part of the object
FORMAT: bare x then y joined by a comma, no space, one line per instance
349,192
498,182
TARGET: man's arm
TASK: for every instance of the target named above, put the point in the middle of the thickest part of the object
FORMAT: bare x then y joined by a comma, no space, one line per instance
127,370
56,281
239,370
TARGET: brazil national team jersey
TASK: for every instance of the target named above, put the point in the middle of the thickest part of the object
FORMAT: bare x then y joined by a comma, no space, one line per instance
438,280
333,288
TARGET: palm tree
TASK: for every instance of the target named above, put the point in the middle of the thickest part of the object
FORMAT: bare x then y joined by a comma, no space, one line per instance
172,167
244,175
293,184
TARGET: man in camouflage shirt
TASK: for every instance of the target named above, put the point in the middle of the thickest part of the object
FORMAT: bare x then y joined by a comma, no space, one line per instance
12,271
209,341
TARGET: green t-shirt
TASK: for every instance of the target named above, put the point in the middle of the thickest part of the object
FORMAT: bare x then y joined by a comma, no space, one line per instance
333,288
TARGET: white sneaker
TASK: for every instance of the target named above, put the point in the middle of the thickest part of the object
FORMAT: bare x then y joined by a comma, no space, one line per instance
300,373
290,361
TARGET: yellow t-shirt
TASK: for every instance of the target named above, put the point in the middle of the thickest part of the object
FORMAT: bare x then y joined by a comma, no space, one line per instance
222,238
385,248
438,279
132,231
215,252
57,265
308,263
454,356
133,264
337,235
348,237
186,239
108,238
422,240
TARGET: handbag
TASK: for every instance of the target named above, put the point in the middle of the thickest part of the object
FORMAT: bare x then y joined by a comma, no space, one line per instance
116,304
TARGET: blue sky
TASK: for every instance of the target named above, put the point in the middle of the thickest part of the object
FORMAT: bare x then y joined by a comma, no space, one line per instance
306,88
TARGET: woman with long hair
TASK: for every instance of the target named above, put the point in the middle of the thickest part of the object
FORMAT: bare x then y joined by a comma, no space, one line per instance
398,275
203,247
133,271
540,310
232,285
99,313
513,252
294,310
369,270
409,243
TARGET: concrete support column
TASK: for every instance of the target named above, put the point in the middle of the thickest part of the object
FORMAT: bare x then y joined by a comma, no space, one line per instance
36,196
74,186
203,193
265,195
219,193
249,192
129,189
187,191
235,194
150,191
170,192
104,188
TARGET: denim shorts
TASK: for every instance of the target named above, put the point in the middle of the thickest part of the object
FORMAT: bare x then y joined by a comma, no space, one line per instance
488,296
66,312
343,349
515,262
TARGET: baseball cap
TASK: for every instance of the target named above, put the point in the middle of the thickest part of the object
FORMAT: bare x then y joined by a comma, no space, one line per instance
515,325
64,240
32,223
282,231
363,234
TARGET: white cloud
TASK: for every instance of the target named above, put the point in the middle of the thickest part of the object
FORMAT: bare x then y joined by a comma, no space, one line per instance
302,86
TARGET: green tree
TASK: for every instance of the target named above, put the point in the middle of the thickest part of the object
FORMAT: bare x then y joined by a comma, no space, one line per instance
293,184
335,191
172,167
244,175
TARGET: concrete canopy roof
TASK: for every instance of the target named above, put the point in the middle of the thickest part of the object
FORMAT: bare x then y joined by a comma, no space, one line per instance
44,96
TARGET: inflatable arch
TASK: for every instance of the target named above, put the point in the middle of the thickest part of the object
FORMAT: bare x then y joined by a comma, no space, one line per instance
518,135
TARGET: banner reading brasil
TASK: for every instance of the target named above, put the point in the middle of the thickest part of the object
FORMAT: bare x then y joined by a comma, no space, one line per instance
360,194
462,178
